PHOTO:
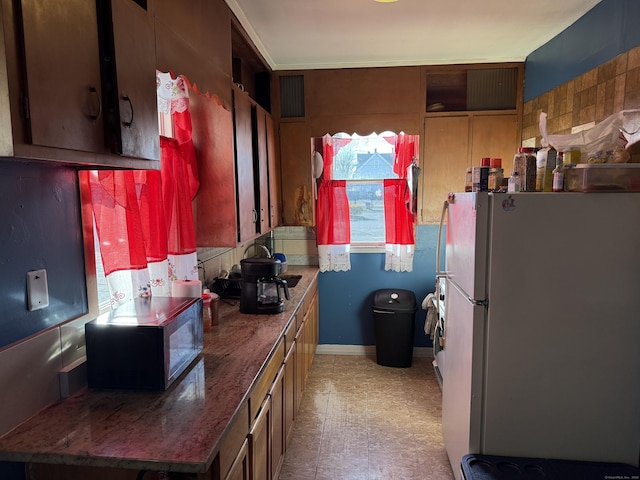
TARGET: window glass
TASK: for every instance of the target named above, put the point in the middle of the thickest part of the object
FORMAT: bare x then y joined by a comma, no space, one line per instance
104,298
365,161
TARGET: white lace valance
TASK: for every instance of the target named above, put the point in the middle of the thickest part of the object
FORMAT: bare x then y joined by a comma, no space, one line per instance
172,93
334,258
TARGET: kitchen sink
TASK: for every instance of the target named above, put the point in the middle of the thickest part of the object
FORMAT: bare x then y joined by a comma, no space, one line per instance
292,280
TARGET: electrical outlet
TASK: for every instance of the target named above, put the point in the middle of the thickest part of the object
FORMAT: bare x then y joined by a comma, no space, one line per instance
37,290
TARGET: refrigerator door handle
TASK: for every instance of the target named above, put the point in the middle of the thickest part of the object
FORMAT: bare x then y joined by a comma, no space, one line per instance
445,209
472,301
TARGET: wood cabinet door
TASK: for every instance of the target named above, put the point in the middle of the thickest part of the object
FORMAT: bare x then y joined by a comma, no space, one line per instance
454,143
495,136
62,66
243,142
314,328
298,203
274,175
444,162
289,390
261,166
307,343
300,366
215,204
240,468
310,334
135,125
276,393
260,443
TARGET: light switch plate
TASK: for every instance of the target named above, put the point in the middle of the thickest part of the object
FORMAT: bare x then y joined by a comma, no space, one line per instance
37,290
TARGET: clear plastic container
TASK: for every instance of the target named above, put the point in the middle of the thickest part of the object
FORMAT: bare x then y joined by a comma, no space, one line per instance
602,177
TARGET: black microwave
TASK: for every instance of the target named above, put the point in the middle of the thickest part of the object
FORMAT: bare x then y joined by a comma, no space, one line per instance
144,344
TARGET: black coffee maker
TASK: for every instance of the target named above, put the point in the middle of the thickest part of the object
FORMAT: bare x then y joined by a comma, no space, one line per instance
261,286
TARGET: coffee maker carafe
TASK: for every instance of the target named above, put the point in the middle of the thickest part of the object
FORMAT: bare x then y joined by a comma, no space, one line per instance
261,286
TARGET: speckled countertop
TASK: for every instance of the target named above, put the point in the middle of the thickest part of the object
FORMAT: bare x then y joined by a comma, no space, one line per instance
177,430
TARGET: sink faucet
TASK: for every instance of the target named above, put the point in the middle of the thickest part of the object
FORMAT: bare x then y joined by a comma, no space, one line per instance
244,255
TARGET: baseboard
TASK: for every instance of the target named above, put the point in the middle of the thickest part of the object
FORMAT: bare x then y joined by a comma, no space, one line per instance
365,350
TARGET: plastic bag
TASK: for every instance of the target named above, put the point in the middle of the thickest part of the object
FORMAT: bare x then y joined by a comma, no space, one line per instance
603,143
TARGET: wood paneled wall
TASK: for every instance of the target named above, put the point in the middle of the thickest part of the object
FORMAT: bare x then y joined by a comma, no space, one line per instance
361,100
591,97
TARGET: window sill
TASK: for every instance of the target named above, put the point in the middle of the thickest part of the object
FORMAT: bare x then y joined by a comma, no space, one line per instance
372,248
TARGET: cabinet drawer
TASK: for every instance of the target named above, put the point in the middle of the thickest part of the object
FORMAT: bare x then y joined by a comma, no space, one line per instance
233,440
265,380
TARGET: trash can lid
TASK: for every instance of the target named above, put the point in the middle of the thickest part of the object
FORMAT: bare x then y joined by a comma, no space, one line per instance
396,300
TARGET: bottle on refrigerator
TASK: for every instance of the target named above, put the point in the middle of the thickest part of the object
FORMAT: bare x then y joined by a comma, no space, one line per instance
558,175
481,176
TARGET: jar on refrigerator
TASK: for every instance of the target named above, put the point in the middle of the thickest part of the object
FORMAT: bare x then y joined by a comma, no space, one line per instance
524,162
496,175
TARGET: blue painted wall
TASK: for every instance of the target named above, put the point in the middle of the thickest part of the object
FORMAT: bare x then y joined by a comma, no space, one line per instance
346,298
41,228
607,30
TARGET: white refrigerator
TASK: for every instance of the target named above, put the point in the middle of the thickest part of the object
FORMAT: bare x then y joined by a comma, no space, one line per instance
542,327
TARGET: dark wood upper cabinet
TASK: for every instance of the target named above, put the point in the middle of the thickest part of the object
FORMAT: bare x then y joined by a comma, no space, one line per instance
273,172
61,96
80,82
261,167
245,176
127,51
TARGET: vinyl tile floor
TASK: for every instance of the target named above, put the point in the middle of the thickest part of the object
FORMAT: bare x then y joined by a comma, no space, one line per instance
362,421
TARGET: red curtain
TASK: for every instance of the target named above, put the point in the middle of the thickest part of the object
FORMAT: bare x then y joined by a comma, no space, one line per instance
179,187
143,215
397,217
330,148
333,213
406,153
118,220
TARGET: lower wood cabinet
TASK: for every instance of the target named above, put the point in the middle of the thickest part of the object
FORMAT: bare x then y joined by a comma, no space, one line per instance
299,366
260,443
240,467
234,441
289,390
277,396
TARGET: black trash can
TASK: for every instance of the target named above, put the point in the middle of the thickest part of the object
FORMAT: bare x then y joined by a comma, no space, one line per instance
394,314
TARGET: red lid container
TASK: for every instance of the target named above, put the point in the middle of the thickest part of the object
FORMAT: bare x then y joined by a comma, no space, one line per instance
526,150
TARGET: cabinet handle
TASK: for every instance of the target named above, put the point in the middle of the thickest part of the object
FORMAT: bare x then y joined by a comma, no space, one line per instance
255,216
126,98
94,91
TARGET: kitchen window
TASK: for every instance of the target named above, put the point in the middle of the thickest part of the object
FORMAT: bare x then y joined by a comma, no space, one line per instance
366,198
364,162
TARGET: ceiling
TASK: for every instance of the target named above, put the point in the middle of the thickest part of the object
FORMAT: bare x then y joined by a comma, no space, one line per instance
311,34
